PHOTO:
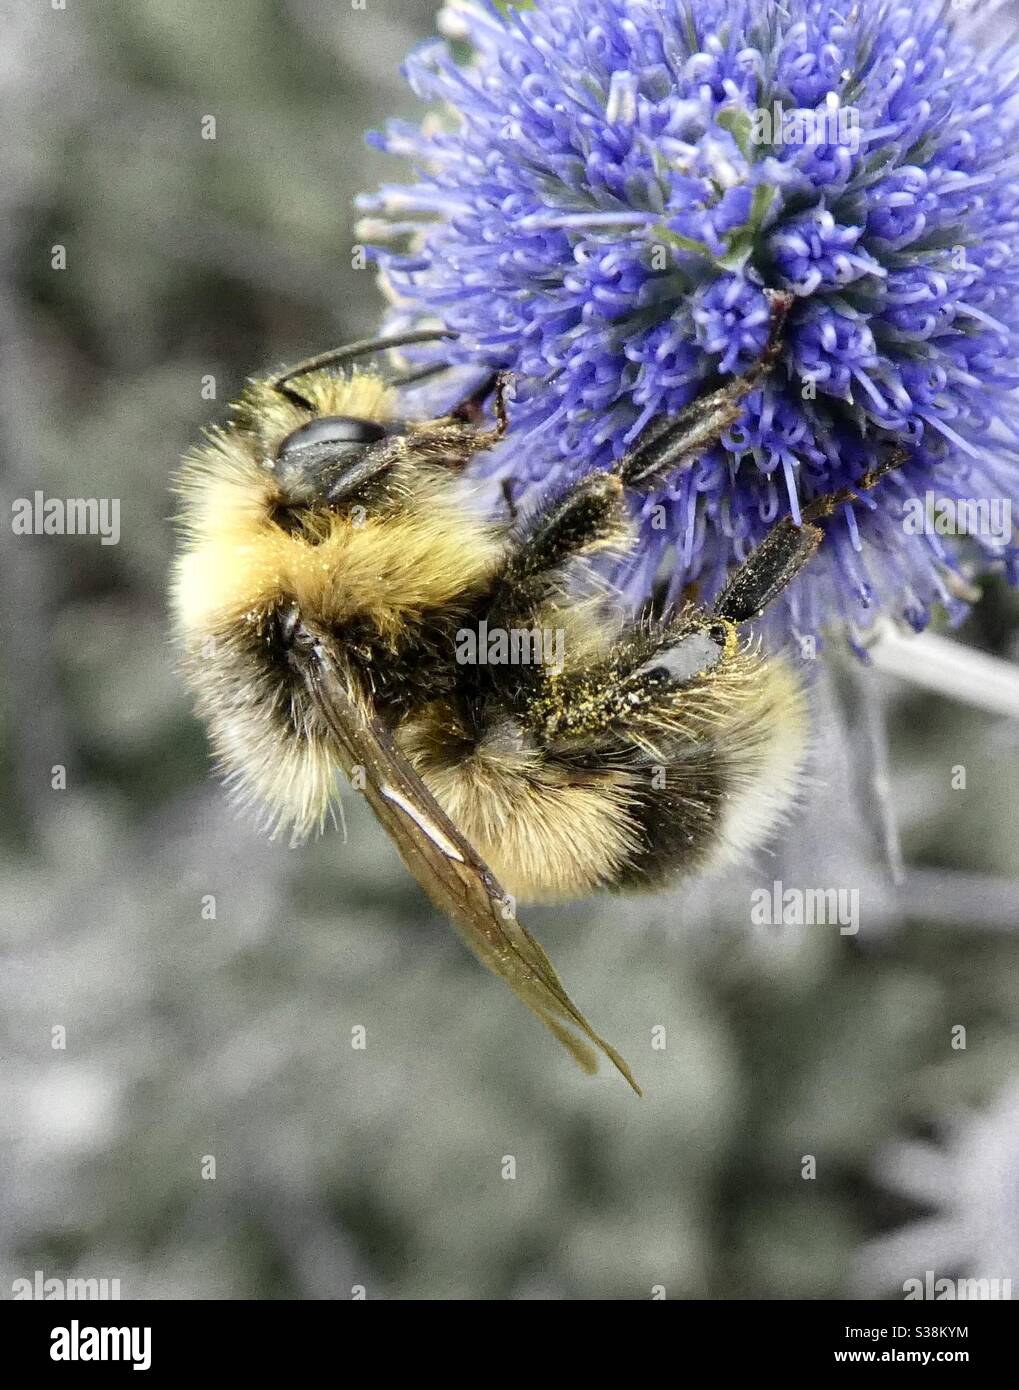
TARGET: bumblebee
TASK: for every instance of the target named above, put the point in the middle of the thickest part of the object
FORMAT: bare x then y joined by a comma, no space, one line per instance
333,557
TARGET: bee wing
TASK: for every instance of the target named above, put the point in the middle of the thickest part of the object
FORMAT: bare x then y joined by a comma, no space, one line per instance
450,871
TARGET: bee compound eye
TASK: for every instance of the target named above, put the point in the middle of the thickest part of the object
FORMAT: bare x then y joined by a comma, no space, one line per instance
328,458
331,429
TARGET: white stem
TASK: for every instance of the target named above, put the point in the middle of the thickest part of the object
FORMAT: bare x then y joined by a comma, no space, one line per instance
952,670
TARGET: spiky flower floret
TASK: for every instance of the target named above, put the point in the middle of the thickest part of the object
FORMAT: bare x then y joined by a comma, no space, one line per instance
607,189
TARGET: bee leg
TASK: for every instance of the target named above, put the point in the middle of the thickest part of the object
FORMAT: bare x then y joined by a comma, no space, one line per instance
640,676
512,510
670,445
768,569
590,516
453,440
787,548
828,505
471,409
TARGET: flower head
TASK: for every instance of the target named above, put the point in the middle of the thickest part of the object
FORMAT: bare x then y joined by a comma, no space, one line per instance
608,189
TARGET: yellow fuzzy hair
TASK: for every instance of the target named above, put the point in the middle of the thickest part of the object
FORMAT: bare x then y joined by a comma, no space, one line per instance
547,834
386,571
548,830
362,394
551,833
764,740
236,566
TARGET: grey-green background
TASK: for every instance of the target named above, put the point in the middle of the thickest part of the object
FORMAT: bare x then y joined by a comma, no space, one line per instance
188,1037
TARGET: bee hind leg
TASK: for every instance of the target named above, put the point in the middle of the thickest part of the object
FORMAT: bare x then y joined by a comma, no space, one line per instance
768,569
630,694
787,547
639,720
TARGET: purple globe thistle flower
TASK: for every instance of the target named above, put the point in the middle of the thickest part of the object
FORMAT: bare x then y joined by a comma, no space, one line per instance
613,190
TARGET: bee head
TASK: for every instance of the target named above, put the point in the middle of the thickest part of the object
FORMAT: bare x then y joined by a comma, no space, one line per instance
319,495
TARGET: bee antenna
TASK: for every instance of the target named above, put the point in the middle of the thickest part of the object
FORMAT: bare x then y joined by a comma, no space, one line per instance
336,356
